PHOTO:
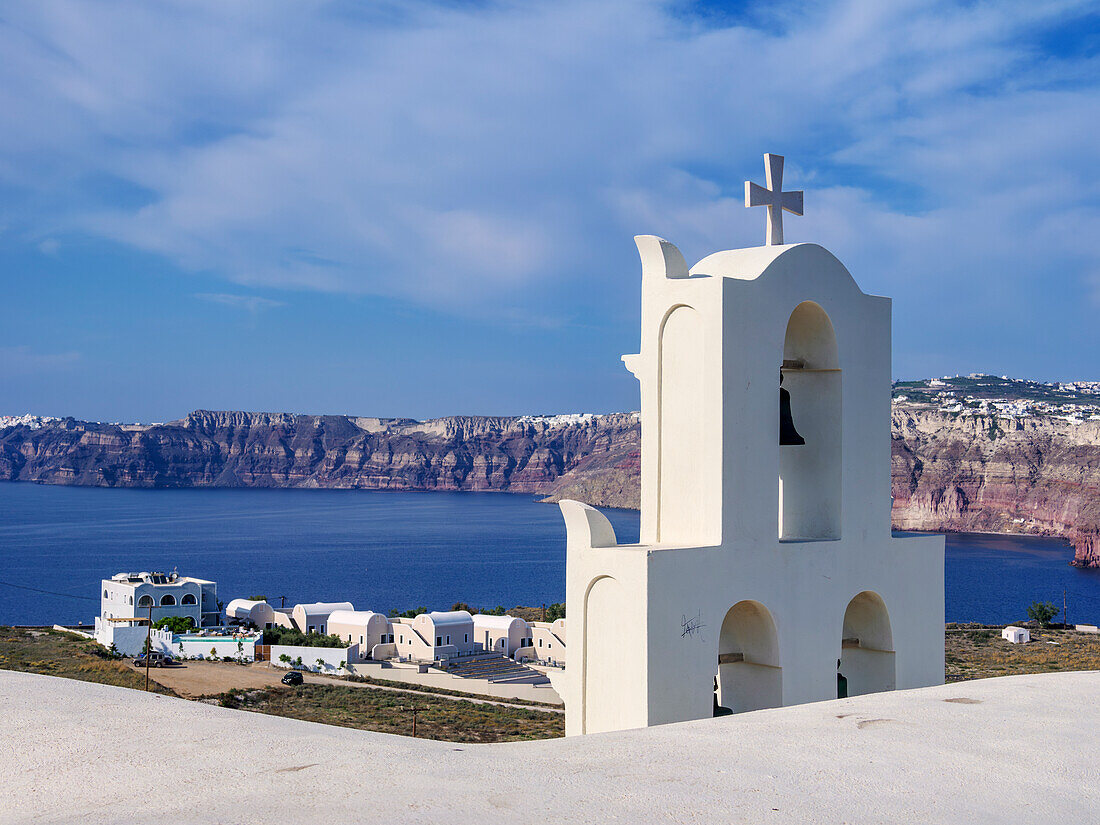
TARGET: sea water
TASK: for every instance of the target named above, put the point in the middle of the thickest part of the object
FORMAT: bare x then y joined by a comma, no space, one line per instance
385,550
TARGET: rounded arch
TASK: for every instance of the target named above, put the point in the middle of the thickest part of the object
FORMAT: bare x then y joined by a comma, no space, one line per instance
604,660
167,600
105,594
682,437
810,338
145,601
867,647
750,676
188,598
809,402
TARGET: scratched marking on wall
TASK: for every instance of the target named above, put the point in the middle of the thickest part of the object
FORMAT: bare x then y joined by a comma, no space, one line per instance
691,627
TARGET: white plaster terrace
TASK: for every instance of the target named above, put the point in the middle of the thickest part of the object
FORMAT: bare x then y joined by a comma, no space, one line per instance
1017,749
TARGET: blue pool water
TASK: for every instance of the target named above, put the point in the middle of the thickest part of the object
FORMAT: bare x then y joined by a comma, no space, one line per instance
383,550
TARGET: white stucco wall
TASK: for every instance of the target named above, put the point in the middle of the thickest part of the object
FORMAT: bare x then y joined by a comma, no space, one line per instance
129,640
221,647
729,516
332,656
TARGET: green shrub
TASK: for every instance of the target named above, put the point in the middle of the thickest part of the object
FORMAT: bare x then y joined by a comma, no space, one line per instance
1042,612
176,624
296,638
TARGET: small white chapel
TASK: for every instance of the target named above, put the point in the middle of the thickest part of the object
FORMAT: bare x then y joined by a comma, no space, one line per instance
766,573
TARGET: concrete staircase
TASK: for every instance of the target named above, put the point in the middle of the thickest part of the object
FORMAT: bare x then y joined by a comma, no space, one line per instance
495,668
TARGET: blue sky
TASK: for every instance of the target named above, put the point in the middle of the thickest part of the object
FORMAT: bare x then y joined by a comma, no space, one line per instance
418,209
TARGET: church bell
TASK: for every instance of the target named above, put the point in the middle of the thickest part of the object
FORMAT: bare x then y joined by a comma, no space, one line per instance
788,435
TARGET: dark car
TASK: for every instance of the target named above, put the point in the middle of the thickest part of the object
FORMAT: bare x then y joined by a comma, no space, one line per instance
155,660
293,678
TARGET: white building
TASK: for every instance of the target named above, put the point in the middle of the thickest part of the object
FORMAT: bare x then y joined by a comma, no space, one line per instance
1016,635
761,565
364,628
433,636
259,614
501,634
547,642
313,617
129,596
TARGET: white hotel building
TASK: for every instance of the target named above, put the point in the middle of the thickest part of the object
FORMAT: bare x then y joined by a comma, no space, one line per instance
127,598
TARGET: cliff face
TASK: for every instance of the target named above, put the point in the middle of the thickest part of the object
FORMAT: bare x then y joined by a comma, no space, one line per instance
979,473
950,472
235,449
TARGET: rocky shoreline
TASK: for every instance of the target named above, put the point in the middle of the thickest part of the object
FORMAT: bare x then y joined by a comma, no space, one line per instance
951,473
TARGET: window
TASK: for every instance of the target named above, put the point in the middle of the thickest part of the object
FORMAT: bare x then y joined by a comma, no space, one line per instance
448,638
267,625
131,600
402,640
465,637
540,642
438,641
309,629
167,600
188,599
145,601
105,594
360,639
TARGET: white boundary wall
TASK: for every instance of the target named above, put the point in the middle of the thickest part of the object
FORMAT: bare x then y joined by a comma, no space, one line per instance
332,656
129,640
222,647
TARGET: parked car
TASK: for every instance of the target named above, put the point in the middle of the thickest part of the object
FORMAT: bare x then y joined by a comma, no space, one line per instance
293,678
155,660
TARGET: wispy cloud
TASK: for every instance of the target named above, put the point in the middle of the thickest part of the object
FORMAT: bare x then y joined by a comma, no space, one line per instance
250,303
24,360
504,153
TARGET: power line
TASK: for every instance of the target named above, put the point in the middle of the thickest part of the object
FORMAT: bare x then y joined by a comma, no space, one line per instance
48,592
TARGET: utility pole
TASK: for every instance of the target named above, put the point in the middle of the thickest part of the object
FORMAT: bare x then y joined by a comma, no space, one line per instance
148,646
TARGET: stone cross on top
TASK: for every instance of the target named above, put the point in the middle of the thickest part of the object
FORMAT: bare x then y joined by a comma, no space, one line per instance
774,198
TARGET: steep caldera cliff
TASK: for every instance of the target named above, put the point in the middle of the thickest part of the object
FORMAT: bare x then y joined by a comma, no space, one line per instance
951,472
983,473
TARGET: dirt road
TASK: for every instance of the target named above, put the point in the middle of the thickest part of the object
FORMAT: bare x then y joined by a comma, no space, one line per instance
193,679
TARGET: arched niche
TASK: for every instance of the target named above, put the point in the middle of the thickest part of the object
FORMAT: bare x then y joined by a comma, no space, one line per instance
604,656
867,646
749,673
810,473
681,502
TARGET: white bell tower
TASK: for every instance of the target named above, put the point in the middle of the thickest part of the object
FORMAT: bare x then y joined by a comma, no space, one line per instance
766,572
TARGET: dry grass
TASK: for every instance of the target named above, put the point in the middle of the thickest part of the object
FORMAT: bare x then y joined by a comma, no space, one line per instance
975,652
387,712
53,653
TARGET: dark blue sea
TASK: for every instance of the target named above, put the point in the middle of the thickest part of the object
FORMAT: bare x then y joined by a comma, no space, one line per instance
383,550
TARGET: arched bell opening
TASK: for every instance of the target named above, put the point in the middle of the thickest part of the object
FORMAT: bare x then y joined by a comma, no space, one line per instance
867,648
749,674
809,402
